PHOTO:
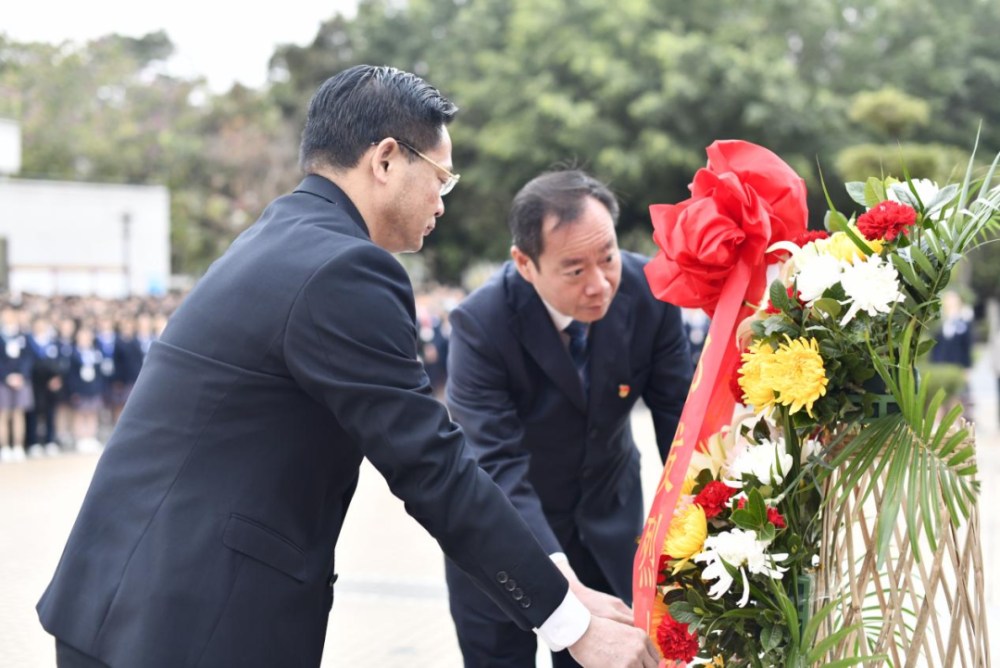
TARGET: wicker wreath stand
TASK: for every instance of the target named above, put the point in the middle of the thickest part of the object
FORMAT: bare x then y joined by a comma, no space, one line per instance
930,612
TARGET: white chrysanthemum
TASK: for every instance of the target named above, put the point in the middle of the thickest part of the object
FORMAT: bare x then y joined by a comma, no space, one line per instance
926,189
813,250
872,287
768,462
742,550
817,276
810,447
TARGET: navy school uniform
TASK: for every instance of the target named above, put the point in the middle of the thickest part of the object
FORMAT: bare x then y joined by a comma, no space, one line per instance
106,344
85,382
45,366
66,348
15,359
129,354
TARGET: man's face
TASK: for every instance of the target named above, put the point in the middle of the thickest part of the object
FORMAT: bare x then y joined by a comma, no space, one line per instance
414,201
580,268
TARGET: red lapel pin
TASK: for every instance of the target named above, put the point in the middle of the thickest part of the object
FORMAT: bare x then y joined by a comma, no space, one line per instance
623,391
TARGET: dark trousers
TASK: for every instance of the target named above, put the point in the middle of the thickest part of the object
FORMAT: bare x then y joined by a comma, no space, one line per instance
488,638
44,419
70,657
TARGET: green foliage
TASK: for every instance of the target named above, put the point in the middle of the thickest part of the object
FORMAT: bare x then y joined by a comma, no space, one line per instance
890,112
633,91
937,162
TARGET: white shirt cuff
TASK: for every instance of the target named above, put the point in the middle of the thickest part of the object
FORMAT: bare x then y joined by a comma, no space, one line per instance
558,557
566,625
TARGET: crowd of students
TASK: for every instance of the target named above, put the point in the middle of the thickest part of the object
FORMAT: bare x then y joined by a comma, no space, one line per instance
67,365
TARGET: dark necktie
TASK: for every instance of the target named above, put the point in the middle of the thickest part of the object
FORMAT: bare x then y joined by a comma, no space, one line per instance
577,332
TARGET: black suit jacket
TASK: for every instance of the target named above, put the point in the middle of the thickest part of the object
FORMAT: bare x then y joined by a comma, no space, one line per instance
207,535
568,462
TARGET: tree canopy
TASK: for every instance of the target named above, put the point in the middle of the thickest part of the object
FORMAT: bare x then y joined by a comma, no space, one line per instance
632,91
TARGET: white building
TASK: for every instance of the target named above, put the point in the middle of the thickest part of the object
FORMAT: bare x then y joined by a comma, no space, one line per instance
61,237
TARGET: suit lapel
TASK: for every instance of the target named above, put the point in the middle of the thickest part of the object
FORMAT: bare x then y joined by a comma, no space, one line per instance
609,359
533,327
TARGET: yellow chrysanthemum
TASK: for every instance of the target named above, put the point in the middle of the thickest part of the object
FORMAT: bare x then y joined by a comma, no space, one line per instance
757,392
688,487
687,533
718,661
841,247
797,375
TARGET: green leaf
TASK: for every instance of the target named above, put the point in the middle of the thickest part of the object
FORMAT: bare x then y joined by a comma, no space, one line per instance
911,276
828,643
892,497
924,262
779,297
836,220
778,325
856,661
906,175
904,195
923,348
683,612
757,508
767,533
745,520
830,307
770,638
856,189
874,192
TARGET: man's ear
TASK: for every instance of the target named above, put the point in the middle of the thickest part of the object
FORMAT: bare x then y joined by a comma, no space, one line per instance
383,158
524,264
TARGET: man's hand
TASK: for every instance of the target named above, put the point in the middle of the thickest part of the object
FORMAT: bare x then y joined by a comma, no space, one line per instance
15,381
603,605
608,644
599,603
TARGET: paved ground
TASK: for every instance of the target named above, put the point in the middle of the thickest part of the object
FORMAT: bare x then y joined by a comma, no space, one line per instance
391,608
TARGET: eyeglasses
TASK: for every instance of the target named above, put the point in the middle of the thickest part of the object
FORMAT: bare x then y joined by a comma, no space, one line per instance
448,185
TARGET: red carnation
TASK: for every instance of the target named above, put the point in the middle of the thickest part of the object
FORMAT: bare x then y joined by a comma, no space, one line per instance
714,498
734,385
792,294
808,237
742,503
887,220
661,577
676,644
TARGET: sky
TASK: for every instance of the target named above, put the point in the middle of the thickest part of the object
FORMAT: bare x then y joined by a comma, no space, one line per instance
225,42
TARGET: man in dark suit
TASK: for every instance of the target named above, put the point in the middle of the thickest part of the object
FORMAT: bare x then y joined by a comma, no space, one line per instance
547,361
207,535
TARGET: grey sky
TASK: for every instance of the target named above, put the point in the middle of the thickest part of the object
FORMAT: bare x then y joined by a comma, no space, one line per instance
222,41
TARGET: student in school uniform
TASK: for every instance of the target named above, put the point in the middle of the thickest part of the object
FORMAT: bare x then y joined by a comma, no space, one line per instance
15,385
128,362
86,390
46,382
106,340
144,333
66,343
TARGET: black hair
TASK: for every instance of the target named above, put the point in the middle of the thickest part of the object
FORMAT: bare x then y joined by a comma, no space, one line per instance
366,104
561,194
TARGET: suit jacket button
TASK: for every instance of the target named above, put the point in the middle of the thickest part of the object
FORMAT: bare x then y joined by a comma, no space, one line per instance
502,577
511,584
517,594
525,602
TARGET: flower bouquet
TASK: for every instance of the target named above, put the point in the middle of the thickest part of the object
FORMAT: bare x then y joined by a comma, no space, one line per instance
826,359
